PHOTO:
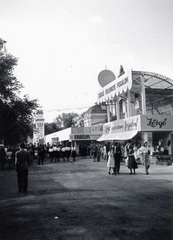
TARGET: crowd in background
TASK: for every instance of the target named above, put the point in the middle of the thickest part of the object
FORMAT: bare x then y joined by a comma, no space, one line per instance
40,153
7,156
114,153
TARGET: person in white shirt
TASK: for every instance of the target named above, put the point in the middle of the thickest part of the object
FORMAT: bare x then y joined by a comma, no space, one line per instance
73,152
68,152
55,152
63,151
50,151
58,152
144,152
111,162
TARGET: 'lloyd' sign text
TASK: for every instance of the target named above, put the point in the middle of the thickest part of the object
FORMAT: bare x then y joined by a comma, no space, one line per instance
156,123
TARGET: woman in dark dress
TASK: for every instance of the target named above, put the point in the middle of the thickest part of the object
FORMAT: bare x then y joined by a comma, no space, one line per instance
132,165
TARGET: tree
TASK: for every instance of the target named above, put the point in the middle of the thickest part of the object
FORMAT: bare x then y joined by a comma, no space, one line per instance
66,120
63,121
51,128
79,120
16,113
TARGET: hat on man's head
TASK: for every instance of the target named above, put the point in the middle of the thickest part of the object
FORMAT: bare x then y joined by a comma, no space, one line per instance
22,145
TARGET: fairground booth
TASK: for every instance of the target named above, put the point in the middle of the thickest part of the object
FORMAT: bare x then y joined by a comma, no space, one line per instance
139,107
75,136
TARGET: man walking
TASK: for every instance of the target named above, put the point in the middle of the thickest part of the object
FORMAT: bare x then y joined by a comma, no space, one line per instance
22,164
117,157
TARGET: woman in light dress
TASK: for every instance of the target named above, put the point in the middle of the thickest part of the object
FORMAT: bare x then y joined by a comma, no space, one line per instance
111,162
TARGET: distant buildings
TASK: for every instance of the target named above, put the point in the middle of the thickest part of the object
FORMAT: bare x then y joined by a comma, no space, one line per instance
94,118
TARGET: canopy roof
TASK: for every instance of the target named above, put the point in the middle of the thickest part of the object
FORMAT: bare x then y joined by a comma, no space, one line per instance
153,80
158,90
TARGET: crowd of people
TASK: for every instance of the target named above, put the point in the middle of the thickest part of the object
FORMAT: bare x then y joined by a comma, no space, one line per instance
21,157
40,153
114,153
58,152
7,156
131,154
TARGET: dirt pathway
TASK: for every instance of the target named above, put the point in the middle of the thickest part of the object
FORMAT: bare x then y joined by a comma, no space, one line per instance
79,200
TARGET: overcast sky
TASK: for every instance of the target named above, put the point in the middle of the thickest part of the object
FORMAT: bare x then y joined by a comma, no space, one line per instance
62,45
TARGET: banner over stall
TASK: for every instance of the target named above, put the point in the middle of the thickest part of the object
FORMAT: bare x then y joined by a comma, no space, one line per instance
127,128
123,129
116,87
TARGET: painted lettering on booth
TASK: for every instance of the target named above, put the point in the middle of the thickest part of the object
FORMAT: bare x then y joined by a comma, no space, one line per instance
107,128
155,122
122,82
110,89
131,125
82,136
40,124
101,94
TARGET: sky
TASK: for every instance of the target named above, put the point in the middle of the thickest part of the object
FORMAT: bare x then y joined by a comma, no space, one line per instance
62,46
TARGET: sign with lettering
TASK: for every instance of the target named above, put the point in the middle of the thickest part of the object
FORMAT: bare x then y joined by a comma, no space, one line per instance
97,129
123,125
79,137
55,139
38,131
142,123
157,122
116,87
40,128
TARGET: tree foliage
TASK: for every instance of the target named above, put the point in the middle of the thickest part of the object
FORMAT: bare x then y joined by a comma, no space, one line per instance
63,121
51,128
16,113
66,120
79,120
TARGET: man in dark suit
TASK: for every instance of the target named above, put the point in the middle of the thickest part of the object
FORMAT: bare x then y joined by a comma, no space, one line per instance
117,156
22,164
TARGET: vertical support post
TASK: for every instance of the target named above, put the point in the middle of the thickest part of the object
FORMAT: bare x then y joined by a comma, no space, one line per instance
117,108
128,103
108,111
111,107
114,107
143,96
